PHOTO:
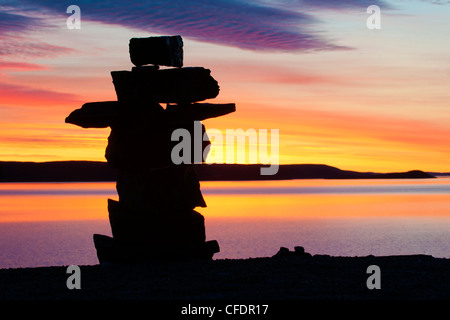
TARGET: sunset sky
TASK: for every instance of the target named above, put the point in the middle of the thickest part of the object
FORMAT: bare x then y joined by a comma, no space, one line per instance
339,93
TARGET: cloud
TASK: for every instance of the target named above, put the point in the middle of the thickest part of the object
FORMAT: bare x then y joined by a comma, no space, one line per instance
12,23
283,25
16,29
437,2
343,4
244,24
13,94
255,73
20,66
24,48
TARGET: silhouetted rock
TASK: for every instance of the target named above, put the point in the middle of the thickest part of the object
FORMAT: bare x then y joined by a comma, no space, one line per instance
165,51
131,227
108,113
152,149
142,143
198,111
298,252
95,114
168,189
110,251
184,85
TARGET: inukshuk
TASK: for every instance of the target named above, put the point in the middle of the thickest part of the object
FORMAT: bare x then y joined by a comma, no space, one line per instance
154,217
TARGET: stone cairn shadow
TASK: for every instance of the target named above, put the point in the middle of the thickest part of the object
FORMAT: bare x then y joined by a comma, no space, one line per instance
154,217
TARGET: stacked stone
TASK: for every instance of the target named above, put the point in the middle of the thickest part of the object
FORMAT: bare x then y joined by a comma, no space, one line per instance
154,217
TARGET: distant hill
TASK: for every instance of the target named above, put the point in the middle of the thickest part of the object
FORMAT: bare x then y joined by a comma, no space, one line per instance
56,171
295,171
84,171
439,174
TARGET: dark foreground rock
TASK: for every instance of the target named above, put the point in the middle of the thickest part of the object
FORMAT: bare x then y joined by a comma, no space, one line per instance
285,277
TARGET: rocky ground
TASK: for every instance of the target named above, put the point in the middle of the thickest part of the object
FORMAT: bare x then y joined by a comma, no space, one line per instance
288,286
288,277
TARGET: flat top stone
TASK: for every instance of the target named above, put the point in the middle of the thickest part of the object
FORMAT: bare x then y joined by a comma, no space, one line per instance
176,85
165,50
105,113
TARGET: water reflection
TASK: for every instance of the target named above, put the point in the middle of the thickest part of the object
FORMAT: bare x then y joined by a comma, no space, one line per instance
53,223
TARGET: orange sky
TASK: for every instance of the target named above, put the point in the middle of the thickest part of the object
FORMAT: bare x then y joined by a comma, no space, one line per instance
380,105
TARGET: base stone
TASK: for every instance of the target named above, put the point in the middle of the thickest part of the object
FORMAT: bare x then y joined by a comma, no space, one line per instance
109,251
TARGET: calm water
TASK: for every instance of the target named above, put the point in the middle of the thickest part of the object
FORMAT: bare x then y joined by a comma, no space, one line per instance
43,224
